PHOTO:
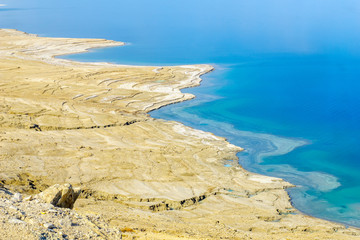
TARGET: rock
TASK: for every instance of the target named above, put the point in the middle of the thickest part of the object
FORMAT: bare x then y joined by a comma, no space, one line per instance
16,221
60,195
65,222
28,198
49,225
17,197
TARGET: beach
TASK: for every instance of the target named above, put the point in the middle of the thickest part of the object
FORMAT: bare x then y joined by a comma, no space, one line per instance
87,124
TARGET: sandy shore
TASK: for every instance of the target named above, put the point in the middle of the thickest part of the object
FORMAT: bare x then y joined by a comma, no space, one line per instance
87,124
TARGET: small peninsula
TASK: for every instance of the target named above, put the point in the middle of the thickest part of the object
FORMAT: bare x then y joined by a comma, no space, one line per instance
87,124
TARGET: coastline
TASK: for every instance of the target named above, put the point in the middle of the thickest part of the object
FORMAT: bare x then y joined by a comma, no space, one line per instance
185,186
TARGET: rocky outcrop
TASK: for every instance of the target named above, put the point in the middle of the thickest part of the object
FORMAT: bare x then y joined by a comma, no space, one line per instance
33,219
63,196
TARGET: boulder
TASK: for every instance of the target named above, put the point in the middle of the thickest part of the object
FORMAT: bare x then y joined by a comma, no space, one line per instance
17,197
49,225
16,221
63,196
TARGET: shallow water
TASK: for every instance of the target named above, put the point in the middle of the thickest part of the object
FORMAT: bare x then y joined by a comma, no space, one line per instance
285,87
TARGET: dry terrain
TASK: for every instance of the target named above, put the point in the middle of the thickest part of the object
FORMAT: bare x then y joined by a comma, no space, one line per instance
141,178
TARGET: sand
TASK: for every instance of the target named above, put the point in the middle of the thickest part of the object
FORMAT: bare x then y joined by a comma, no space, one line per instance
87,124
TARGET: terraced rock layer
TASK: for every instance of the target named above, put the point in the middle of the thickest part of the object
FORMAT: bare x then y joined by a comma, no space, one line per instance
87,124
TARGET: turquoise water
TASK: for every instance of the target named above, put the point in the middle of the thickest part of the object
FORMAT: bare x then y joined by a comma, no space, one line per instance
286,85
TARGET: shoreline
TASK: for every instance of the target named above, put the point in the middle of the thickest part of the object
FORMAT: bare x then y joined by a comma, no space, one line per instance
186,118
196,84
265,196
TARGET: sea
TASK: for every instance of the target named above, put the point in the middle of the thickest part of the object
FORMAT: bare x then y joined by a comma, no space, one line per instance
286,84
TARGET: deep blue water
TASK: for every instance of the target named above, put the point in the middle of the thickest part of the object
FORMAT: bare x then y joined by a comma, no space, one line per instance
286,85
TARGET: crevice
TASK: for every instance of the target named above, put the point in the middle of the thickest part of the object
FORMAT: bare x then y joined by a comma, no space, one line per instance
151,204
55,128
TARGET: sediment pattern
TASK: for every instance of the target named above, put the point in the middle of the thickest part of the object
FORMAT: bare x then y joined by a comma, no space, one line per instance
87,124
